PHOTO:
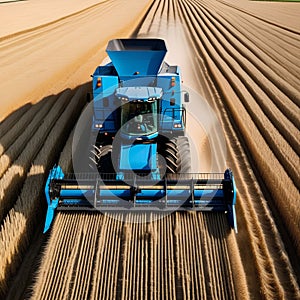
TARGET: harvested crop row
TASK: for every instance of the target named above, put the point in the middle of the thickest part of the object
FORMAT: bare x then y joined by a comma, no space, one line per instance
19,224
125,257
12,180
285,32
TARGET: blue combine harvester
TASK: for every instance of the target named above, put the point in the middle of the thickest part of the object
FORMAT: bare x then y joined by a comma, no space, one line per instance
140,155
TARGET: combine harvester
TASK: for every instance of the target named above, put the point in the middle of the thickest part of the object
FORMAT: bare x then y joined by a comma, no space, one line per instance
140,154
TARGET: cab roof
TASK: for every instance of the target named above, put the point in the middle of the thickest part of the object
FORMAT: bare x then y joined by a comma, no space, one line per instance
139,93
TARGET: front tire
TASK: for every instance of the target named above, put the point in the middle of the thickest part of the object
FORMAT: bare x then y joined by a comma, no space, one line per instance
176,152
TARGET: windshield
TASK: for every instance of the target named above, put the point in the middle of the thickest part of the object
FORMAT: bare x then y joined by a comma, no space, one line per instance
139,118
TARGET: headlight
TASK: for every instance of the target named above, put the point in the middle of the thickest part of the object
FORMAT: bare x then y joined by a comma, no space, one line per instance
98,125
151,99
177,125
125,99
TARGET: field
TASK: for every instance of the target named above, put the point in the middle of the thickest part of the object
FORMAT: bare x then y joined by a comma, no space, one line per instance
243,58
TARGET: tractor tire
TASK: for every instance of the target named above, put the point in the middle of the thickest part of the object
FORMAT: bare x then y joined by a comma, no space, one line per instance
171,156
184,155
104,163
177,155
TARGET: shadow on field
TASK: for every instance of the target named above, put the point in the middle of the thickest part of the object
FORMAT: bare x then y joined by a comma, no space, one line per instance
17,147
10,120
32,208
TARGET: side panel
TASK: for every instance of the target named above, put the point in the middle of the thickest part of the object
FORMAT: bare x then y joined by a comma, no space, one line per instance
105,117
171,111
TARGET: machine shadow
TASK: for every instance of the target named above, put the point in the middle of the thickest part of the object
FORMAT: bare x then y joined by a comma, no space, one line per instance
33,205
9,120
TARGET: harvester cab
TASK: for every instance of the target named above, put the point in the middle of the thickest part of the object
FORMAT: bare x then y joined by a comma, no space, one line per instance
139,111
140,156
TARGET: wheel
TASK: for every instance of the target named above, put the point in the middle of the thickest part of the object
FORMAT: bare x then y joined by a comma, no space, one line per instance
101,158
177,155
171,156
104,160
184,155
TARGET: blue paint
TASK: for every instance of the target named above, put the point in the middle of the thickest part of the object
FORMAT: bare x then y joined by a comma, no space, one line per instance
141,57
140,157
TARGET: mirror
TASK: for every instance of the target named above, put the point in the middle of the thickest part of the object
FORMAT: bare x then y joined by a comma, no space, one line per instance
186,97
